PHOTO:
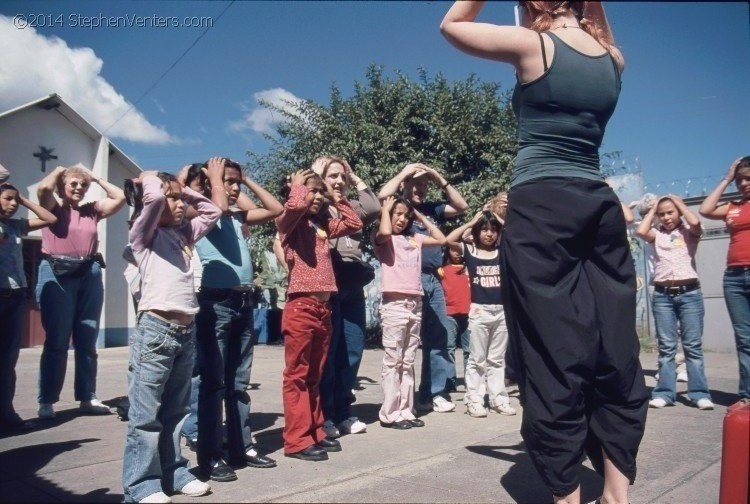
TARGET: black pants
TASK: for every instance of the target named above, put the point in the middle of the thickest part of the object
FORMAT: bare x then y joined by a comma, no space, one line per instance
569,293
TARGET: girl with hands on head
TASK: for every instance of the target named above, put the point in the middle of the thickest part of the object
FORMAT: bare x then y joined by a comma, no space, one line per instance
488,333
736,215
162,346
305,228
399,250
413,184
677,298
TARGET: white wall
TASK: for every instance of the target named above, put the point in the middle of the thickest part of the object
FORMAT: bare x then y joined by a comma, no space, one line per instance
21,134
711,260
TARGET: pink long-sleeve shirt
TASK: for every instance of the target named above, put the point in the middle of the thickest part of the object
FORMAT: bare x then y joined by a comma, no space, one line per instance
163,253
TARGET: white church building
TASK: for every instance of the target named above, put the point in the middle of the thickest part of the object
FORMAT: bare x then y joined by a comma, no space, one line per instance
34,139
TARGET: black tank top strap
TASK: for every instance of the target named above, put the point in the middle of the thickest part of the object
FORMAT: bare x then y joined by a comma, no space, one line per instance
544,52
617,70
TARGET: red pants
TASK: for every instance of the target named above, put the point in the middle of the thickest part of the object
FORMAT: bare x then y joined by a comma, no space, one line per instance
306,327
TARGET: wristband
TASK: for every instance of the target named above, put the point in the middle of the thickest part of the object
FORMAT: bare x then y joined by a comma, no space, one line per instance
445,185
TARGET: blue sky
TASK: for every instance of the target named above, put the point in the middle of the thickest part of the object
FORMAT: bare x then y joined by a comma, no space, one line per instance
683,110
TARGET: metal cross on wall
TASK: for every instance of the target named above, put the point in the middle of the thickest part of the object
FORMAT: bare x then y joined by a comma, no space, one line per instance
44,155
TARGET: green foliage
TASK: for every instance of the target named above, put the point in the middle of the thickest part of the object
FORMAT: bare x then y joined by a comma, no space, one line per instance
466,130
271,277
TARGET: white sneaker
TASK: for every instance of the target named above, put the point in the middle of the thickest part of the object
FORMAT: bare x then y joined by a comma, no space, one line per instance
331,430
441,405
476,410
157,497
94,407
657,403
682,377
704,404
504,409
195,488
46,411
352,425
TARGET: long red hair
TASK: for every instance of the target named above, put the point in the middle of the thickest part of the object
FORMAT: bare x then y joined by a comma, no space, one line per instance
542,14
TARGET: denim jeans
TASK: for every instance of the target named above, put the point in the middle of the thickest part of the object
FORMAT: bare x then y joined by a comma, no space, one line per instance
348,318
688,310
12,313
458,332
161,360
225,356
400,319
69,305
190,427
434,335
737,298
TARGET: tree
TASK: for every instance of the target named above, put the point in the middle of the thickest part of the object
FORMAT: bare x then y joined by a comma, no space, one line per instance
466,130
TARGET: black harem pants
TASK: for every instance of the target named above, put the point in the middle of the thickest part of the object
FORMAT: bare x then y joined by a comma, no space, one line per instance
569,292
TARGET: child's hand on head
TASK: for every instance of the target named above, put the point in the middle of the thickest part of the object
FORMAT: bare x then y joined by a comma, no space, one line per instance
300,177
183,174
388,203
676,199
215,169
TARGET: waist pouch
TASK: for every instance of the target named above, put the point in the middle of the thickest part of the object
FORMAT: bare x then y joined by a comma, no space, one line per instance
72,266
352,274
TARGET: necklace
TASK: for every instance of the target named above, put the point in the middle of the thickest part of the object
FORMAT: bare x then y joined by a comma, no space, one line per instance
565,26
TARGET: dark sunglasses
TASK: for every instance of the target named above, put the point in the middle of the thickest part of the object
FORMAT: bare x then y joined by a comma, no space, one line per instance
75,184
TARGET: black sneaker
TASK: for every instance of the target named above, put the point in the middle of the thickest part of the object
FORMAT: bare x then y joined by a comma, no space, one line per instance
400,425
416,422
329,445
312,453
252,458
218,470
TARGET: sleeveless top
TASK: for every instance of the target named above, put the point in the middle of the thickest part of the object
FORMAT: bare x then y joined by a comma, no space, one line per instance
563,113
738,225
484,275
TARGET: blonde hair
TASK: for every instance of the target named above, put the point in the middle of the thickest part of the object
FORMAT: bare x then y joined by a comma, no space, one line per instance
320,166
542,14
78,171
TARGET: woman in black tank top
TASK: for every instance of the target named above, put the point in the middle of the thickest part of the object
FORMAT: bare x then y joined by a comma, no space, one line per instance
568,278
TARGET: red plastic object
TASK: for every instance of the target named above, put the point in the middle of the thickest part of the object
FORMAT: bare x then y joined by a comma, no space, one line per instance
735,454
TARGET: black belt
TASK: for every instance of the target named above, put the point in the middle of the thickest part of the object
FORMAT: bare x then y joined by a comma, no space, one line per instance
738,269
677,289
225,293
6,293
75,258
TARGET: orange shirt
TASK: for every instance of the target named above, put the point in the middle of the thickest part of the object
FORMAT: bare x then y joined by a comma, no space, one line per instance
457,289
738,225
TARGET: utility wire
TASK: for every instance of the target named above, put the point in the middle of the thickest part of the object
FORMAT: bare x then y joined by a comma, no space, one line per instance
133,105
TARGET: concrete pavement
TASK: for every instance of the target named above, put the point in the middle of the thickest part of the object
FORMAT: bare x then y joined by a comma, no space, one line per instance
455,458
